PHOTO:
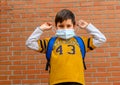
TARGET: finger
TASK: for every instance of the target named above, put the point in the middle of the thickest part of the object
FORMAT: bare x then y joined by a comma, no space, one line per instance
81,20
49,23
77,23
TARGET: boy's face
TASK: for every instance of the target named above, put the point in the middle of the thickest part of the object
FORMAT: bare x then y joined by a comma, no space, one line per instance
66,24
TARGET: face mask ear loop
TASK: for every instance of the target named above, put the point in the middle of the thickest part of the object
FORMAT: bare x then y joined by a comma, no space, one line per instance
53,29
76,29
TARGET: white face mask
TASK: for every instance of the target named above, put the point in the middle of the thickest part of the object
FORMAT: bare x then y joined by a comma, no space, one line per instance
65,33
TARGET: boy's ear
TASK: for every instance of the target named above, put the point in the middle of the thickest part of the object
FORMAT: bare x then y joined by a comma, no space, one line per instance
75,28
54,28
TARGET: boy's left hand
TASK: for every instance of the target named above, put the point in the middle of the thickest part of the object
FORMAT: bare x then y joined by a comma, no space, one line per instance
82,24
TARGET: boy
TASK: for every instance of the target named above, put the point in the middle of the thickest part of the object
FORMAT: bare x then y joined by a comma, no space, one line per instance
66,66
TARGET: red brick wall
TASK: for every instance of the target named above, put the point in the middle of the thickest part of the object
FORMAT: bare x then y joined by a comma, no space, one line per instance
19,18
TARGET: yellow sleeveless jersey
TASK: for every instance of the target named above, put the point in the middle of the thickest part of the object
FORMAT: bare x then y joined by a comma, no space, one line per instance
66,64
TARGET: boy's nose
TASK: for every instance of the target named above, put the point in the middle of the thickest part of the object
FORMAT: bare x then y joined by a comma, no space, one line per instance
65,28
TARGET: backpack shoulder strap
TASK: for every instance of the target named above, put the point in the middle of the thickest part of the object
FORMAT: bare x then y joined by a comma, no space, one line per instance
82,48
49,50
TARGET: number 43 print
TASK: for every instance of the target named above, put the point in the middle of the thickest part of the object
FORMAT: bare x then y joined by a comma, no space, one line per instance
71,47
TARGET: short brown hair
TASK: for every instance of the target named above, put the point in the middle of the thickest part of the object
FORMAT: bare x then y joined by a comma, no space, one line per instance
64,15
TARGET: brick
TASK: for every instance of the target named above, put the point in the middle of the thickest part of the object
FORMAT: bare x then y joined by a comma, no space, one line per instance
3,29
90,79
110,7
117,7
109,11
115,73
6,7
88,83
101,64
21,43
16,62
16,53
31,67
113,78
16,29
17,72
103,83
97,3
17,77
16,2
100,54
3,39
102,74
3,67
31,76
88,75
29,53
110,2
3,58
17,48
102,79
5,63
17,67
3,77
114,44
3,3
45,80
31,57
5,34
69,1
101,59
5,82
100,50
17,57
40,66
30,82
25,7
113,59
113,49
116,83
44,10
113,69
97,8
30,62
5,72
90,59
16,39
31,72
6,44
101,69
3,49
42,76
29,15
86,4
16,81
42,1
91,70
115,63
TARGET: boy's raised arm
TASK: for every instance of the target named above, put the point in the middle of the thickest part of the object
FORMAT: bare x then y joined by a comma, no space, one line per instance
32,41
98,37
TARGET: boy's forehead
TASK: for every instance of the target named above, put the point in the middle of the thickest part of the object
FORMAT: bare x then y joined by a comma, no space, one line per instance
68,21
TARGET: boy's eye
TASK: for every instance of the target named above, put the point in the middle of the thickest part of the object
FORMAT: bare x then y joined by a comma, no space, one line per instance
61,26
68,26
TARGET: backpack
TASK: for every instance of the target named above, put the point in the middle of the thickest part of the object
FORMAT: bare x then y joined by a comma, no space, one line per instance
51,44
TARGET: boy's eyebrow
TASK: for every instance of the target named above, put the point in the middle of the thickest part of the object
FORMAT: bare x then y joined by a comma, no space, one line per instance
60,25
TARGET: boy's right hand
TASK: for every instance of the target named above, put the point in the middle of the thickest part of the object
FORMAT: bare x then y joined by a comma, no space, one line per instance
46,26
